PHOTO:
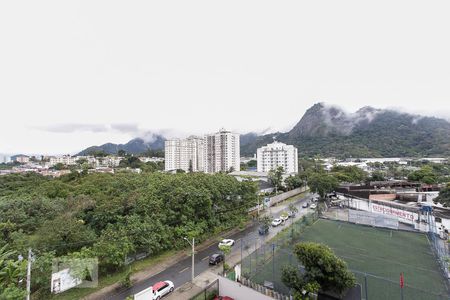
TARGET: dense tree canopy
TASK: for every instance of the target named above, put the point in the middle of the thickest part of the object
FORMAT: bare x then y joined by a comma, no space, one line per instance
349,173
322,183
112,216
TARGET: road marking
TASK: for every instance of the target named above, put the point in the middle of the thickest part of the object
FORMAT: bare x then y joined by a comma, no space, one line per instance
205,258
183,270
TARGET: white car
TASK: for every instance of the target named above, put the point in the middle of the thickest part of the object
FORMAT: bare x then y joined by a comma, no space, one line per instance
276,222
313,206
156,291
226,242
284,217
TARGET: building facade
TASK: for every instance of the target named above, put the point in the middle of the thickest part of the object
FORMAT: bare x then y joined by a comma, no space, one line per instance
23,159
185,154
276,155
65,160
222,152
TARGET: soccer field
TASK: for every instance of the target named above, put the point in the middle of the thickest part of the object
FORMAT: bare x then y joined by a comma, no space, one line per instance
383,253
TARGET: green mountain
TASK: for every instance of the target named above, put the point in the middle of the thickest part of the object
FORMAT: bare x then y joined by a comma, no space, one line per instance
329,131
135,146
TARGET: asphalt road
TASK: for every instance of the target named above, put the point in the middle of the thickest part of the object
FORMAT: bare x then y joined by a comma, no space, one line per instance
180,273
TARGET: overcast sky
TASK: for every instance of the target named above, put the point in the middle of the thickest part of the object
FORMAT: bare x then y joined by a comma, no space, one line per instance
80,73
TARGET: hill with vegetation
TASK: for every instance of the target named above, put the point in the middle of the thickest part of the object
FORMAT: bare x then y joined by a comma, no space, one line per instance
369,132
135,146
329,131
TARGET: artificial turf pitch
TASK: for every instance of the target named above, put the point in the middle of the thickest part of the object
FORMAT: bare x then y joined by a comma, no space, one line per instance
382,253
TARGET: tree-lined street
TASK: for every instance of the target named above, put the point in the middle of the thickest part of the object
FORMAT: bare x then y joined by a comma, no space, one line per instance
180,272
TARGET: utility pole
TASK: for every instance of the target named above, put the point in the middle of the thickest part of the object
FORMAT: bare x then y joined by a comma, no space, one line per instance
30,256
193,251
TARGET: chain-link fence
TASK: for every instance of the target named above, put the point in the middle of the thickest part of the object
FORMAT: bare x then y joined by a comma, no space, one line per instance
372,219
263,263
209,293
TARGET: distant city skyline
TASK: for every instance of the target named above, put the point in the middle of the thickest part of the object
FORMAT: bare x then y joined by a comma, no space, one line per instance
73,75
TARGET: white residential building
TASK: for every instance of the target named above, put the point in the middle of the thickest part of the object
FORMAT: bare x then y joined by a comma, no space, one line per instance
65,160
23,159
185,154
276,155
222,152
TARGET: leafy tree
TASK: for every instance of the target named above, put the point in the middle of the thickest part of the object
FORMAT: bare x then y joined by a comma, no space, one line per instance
349,173
293,182
225,250
265,221
113,216
377,176
131,162
426,175
444,196
10,272
276,177
322,183
292,208
322,268
65,234
59,166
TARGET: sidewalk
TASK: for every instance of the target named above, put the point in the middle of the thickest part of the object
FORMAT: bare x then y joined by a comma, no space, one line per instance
202,280
155,269
189,290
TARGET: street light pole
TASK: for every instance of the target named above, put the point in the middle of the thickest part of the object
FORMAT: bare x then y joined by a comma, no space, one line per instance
193,251
30,257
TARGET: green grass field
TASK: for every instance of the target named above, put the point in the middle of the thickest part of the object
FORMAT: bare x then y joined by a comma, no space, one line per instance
381,252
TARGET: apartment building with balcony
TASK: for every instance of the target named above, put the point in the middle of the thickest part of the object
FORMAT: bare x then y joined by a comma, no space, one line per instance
185,154
222,152
276,155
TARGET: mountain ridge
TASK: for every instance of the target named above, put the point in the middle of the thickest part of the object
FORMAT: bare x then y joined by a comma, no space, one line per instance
327,130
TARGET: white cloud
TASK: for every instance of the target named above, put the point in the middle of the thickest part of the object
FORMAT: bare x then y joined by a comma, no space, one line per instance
198,66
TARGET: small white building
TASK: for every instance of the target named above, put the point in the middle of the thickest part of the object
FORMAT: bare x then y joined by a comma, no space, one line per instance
276,155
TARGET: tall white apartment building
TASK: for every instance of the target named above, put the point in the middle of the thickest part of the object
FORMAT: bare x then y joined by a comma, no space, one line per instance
185,154
222,152
276,155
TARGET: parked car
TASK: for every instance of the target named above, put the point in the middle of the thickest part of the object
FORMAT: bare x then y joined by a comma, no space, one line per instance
313,206
305,205
226,242
215,258
161,289
263,230
284,216
276,222
291,214
223,298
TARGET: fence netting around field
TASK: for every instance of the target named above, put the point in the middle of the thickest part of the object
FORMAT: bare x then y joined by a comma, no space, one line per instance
208,293
372,219
263,264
